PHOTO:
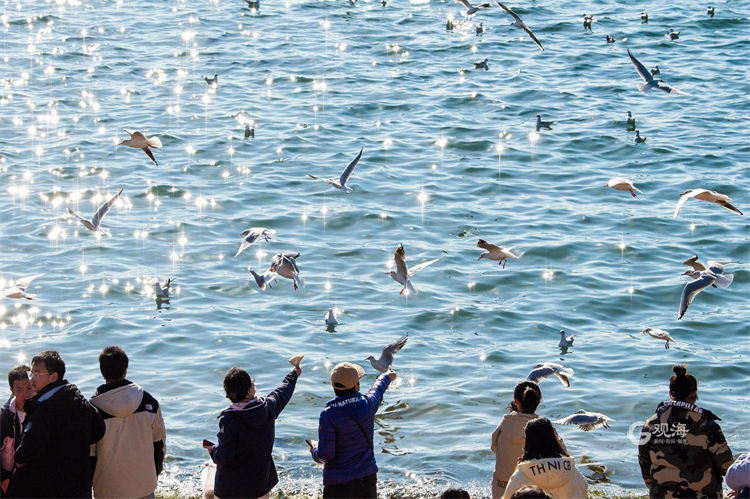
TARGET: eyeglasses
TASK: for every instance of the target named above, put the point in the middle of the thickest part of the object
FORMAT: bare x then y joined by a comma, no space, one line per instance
33,374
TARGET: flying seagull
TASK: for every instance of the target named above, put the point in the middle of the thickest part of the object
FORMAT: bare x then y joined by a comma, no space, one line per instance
403,274
518,23
17,289
470,9
262,280
708,196
340,183
701,280
139,141
285,265
659,334
585,420
251,235
495,253
648,79
95,223
386,356
623,184
542,371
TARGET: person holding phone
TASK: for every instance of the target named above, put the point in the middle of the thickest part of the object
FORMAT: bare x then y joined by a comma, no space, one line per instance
247,429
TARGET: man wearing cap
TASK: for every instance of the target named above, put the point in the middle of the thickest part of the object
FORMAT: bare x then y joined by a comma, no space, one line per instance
345,431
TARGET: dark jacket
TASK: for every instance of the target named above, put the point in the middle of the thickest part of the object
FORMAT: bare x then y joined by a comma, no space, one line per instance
244,465
683,452
10,426
52,459
345,447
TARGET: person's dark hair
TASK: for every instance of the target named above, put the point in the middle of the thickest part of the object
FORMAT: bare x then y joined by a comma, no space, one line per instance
18,373
236,384
529,394
455,494
541,441
52,361
682,384
530,493
113,361
342,392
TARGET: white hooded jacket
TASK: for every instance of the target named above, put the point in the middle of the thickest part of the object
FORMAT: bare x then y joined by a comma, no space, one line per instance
128,456
557,476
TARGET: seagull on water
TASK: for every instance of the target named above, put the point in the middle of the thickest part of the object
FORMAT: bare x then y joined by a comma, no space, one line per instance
587,20
708,196
251,235
585,420
648,79
655,70
17,289
638,139
95,223
565,342
211,81
644,17
340,183
610,39
249,132
479,28
543,124
162,290
672,35
701,280
403,274
285,265
331,318
623,184
386,356
518,23
482,64
139,141
547,369
262,280
659,334
631,120
495,253
470,9
710,11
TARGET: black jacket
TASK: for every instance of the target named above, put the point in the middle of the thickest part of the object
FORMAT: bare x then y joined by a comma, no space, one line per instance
244,466
52,459
10,426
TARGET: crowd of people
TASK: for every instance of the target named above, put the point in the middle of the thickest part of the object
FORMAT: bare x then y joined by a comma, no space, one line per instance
56,443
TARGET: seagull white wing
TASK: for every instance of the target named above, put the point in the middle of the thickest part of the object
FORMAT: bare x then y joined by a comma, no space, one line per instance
683,199
396,346
103,209
691,290
506,9
531,34
641,69
154,142
669,88
316,178
466,4
422,266
24,282
349,169
79,217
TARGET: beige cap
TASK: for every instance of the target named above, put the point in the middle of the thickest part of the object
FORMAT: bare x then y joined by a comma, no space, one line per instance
346,376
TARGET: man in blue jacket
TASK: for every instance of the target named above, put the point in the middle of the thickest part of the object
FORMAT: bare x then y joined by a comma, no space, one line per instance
346,430
244,465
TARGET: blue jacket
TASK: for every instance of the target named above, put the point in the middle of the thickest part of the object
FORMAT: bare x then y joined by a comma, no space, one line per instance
343,449
244,465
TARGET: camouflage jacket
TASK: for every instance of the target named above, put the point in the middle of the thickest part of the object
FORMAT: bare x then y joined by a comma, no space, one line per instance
682,452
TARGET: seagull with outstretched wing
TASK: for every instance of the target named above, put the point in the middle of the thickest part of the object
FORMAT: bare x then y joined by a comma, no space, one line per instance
95,223
383,363
139,141
708,196
649,82
340,183
403,274
518,23
470,9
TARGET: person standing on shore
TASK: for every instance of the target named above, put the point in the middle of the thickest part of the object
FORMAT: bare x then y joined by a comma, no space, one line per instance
345,430
129,458
683,452
52,459
12,416
247,430
509,437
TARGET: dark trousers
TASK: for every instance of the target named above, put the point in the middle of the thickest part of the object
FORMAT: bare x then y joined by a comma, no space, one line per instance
365,488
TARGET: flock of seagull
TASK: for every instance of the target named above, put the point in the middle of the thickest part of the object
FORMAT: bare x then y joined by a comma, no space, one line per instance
284,264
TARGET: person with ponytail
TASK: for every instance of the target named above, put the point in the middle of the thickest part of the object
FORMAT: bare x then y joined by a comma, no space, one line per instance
682,451
508,439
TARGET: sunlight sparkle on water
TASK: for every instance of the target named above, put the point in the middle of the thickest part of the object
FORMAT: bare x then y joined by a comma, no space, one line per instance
533,137
423,197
